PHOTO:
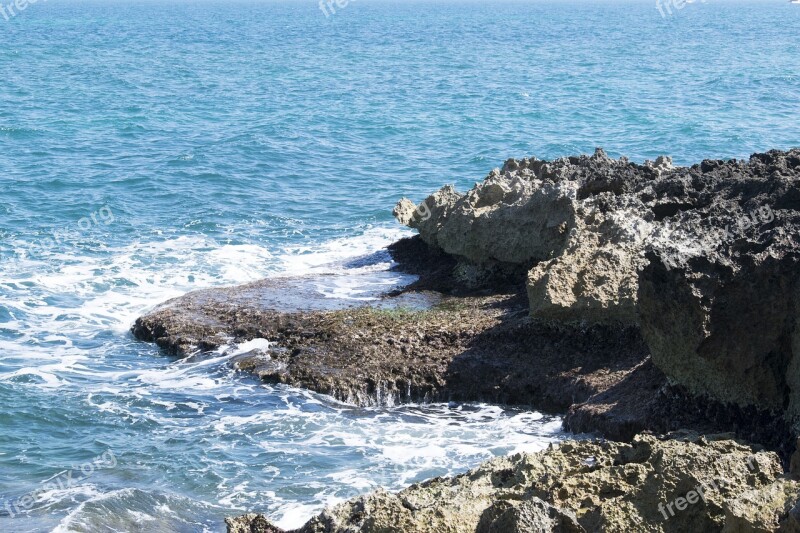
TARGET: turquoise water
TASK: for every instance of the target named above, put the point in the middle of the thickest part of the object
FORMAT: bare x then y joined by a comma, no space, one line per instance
153,148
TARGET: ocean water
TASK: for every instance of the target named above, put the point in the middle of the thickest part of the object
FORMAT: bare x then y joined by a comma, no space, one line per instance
152,148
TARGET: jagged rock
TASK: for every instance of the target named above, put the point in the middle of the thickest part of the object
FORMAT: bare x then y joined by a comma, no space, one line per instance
702,260
718,298
595,278
575,220
530,516
705,258
685,483
761,510
404,211
506,220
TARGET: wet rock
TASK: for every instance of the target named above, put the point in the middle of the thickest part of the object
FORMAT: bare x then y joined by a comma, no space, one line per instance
468,348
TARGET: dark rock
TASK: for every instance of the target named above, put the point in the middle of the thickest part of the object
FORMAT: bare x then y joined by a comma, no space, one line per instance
476,348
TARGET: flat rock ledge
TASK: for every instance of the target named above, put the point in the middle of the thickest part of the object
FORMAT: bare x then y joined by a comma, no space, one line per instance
685,483
464,348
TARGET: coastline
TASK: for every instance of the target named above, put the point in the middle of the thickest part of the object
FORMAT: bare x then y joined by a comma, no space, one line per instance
587,286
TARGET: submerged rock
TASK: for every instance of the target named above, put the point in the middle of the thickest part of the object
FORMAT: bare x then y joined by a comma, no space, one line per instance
683,483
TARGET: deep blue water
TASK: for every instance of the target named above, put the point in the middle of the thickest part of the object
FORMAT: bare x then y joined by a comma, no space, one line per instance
151,148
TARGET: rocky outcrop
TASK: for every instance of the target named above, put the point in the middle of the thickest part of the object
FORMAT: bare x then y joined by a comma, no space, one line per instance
576,224
685,483
718,298
633,297
582,225
594,278
496,221
703,258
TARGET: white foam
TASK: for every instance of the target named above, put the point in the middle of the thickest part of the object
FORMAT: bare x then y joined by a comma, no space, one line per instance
252,345
85,295
328,257
70,325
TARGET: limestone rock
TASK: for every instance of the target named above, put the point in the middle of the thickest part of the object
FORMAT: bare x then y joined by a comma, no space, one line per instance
404,211
529,516
761,510
596,277
575,221
682,484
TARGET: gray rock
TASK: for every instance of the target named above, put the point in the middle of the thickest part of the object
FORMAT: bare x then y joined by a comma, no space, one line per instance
575,223
529,516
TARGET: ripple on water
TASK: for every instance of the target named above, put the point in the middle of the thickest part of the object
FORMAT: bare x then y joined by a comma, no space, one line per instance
235,143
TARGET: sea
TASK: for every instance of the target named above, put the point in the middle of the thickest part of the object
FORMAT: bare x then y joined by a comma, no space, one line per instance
152,148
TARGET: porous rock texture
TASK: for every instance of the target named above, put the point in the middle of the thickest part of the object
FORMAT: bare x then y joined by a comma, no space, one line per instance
583,486
576,223
703,258
718,298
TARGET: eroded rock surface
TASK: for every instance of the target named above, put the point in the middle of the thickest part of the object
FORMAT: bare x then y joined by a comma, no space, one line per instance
718,298
469,348
682,484
703,258
576,222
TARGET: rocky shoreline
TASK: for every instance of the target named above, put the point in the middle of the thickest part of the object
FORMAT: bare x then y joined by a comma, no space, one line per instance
681,483
634,298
